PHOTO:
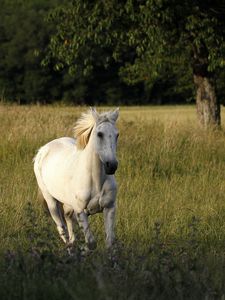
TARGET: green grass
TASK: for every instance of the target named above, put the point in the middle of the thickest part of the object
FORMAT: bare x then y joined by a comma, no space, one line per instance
170,210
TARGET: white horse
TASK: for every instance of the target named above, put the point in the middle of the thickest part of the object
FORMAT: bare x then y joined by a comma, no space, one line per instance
79,174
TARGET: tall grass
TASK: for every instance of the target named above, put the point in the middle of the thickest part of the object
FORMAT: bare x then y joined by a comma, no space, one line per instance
170,206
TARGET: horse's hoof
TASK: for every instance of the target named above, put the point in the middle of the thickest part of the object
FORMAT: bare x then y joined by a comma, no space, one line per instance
92,245
70,251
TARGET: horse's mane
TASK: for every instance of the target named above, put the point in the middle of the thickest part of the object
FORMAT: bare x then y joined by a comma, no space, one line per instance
83,129
84,126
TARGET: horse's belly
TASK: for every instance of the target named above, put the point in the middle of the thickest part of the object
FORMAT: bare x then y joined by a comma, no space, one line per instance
56,182
65,181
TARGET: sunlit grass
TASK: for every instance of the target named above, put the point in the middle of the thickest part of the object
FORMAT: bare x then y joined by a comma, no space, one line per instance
170,171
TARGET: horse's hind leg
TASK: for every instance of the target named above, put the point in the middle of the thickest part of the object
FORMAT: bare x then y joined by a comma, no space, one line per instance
69,218
82,219
55,212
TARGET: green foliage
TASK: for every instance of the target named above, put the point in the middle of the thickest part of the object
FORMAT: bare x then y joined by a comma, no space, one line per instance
24,34
147,39
128,52
80,27
23,39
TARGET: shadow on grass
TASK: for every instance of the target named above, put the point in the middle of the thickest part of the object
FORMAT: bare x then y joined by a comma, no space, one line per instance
165,271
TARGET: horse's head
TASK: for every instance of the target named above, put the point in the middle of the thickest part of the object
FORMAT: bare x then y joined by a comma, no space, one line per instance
106,135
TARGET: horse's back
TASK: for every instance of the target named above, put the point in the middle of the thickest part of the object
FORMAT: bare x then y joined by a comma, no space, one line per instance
52,164
67,141
63,143
53,149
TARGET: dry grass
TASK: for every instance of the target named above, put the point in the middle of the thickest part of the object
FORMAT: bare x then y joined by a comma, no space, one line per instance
169,171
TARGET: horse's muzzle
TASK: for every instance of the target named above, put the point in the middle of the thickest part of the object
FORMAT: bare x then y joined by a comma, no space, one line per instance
111,167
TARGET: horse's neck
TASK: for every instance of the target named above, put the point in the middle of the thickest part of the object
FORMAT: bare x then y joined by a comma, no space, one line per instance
97,173
95,166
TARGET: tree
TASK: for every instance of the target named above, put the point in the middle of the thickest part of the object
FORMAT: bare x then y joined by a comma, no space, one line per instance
193,30
147,38
23,35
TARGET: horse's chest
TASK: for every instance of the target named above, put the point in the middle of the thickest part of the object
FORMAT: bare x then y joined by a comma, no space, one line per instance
83,189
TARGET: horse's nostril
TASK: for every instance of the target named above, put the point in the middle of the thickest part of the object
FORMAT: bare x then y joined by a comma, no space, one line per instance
110,167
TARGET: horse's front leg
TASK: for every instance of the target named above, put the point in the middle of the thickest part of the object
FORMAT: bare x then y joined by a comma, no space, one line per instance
93,206
109,220
108,202
82,219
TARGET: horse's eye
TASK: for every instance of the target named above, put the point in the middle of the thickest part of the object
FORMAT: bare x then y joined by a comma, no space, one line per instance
100,134
117,135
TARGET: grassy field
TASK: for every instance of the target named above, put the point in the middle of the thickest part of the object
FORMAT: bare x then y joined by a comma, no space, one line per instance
170,210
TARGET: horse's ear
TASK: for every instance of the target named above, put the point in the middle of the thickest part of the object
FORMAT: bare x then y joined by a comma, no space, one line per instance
94,113
114,114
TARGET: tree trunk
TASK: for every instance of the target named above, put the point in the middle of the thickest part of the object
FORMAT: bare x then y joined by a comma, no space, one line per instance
208,107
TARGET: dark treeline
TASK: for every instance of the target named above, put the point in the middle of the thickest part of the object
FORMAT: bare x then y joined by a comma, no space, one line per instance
24,36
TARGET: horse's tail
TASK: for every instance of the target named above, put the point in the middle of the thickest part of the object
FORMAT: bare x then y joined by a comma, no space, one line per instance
41,199
38,160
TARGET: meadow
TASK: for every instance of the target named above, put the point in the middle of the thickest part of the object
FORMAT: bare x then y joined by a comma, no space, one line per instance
170,223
